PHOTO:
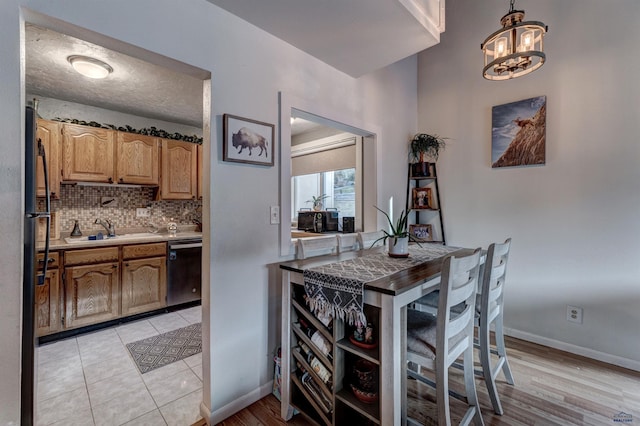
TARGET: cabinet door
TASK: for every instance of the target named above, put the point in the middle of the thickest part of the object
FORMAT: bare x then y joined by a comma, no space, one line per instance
179,170
47,306
92,294
138,159
49,133
87,154
144,285
200,161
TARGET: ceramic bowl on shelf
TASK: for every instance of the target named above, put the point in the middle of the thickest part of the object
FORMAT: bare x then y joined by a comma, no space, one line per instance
366,397
366,375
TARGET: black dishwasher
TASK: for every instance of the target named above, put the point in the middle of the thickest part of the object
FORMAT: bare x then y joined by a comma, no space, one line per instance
184,267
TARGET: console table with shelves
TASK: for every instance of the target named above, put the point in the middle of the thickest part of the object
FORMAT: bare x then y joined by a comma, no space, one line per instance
322,393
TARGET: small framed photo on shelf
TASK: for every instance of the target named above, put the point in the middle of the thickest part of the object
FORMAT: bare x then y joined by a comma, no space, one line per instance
422,198
421,232
247,141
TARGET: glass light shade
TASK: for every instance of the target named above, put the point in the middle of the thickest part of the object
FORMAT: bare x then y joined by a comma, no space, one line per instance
501,47
90,67
526,41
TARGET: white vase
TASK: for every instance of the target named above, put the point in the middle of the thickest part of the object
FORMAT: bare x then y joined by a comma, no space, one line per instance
317,206
398,247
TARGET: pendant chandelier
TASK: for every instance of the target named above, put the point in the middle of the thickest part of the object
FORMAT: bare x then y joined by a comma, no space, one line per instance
516,49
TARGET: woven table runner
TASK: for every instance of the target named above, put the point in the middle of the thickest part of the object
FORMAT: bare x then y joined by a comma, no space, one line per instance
337,289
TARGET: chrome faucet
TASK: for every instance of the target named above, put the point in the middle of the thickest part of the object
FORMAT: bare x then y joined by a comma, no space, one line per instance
111,230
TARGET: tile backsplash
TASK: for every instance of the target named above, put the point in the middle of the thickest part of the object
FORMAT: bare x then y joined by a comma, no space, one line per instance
84,204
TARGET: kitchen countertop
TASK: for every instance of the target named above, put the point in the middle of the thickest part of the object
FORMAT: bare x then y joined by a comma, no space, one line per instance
61,244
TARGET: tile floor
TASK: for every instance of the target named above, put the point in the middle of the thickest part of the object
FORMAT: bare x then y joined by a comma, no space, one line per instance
92,380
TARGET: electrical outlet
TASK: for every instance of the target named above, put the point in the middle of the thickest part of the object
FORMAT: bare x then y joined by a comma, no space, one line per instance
274,213
574,314
143,212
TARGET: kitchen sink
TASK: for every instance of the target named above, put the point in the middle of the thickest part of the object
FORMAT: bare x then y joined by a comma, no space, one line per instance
122,237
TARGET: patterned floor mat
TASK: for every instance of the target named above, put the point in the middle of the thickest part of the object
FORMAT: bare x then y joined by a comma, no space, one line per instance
157,351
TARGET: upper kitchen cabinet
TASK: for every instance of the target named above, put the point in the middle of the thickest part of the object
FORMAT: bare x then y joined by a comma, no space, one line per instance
48,132
138,159
88,154
179,170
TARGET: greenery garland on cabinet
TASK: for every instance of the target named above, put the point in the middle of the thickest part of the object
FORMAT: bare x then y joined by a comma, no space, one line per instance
149,131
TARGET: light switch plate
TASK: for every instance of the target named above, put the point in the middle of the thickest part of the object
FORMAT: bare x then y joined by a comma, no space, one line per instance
274,213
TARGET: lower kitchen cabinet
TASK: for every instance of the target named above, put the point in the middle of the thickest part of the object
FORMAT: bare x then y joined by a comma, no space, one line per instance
91,286
48,297
48,316
144,285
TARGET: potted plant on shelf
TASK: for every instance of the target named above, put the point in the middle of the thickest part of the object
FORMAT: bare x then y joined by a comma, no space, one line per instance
422,148
317,201
399,236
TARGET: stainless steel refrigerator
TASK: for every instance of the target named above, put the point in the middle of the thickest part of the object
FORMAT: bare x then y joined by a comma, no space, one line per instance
33,273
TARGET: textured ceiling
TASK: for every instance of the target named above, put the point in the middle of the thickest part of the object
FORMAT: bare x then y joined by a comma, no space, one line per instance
135,86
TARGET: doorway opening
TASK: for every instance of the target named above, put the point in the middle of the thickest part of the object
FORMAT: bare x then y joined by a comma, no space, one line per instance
59,98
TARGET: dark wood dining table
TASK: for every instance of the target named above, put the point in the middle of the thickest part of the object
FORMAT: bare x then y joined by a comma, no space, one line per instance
391,295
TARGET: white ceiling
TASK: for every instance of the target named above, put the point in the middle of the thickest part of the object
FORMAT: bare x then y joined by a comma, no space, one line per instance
354,36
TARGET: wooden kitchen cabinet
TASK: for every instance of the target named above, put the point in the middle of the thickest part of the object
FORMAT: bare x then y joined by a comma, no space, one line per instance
48,132
47,298
92,290
179,170
138,159
200,162
144,278
88,154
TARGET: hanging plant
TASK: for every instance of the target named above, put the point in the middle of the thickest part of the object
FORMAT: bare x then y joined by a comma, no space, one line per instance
424,147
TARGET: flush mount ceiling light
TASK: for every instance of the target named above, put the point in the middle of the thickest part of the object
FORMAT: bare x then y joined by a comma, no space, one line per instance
90,67
515,50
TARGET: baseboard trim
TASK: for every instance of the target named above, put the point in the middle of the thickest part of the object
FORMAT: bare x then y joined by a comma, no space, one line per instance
237,405
574,349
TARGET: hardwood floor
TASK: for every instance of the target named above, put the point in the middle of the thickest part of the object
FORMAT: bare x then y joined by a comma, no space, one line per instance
552,388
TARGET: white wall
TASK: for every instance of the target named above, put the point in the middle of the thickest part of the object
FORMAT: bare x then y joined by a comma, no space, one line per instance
249,68
574,222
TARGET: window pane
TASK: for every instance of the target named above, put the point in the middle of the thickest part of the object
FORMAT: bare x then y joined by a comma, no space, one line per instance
338,185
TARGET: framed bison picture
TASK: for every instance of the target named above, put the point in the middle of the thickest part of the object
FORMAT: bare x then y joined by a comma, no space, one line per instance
247,141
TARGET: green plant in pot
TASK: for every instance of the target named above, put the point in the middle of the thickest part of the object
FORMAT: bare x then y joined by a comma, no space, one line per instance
422,148
317,201
398,237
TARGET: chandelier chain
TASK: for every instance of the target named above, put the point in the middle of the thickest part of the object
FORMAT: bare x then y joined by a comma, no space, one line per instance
511,5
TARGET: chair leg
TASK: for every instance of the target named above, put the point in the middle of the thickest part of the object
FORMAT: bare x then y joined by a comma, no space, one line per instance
442,392
502,352
487,369
470,384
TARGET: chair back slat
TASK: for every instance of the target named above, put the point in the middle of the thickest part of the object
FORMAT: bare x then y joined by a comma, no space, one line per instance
347,242
495,271
366,239
458,284
317,246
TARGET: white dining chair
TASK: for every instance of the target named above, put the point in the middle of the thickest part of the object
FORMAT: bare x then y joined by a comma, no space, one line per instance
489,310
370,239
347,242
317,246
435,343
